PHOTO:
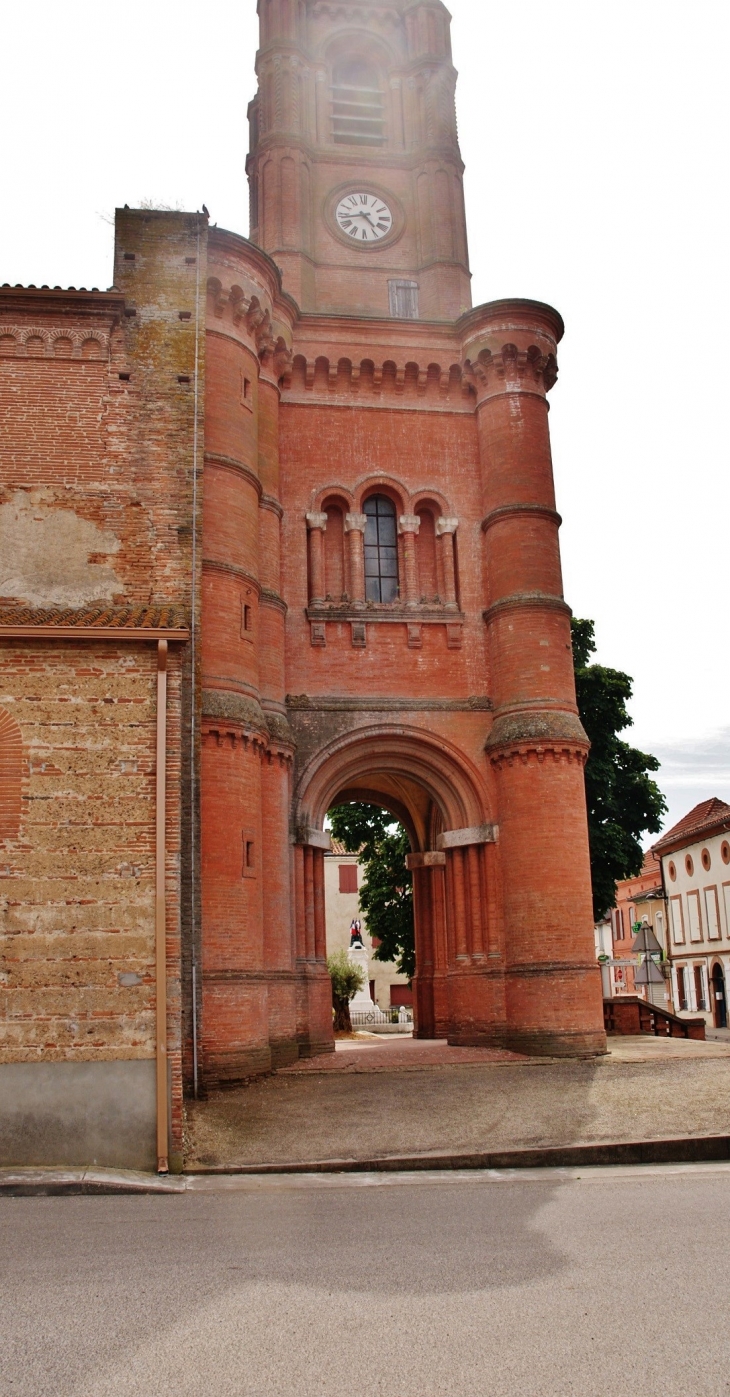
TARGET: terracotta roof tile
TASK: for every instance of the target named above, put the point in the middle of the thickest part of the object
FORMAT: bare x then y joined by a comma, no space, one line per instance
97,616
708,815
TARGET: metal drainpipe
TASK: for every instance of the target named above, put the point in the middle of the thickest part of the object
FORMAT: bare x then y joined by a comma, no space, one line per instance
160,919
193,658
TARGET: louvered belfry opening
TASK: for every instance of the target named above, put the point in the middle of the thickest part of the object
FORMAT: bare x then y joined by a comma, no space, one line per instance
358,115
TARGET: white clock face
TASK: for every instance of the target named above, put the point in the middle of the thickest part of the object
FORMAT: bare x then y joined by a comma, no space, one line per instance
364,218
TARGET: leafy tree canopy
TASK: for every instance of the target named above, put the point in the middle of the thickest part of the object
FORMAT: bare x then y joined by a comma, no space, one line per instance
386,895
623,800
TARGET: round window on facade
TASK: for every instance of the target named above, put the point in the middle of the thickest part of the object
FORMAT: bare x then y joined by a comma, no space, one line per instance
689,865
706,860
672,871
725,851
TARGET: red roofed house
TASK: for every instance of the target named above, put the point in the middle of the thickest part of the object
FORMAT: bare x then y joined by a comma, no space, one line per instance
695,861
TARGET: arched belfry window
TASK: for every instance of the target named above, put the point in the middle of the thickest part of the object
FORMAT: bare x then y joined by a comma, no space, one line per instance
358,117
381,550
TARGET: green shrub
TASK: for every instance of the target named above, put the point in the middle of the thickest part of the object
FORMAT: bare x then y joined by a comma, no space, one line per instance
347,978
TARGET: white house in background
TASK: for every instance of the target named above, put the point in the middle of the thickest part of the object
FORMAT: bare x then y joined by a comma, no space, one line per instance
343,879
695,858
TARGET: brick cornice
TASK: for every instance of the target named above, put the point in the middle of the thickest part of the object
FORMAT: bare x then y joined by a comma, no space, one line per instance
229,463
233,570
511,511
527,601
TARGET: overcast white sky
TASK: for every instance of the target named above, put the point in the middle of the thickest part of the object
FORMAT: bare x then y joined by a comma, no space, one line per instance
595,137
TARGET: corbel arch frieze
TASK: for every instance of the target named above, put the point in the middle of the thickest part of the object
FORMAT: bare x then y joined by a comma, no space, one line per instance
428,383
511,365
62,342
252,319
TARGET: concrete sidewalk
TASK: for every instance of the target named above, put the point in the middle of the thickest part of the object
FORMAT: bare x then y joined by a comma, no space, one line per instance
401,1100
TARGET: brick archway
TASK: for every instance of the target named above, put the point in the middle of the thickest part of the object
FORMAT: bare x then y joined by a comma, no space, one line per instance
379,756
441,799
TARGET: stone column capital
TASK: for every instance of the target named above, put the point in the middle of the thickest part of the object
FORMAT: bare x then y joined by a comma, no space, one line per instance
409,523
317,521
355,523
446,526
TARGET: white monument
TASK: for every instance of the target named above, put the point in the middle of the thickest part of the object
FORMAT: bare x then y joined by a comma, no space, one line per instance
362,1003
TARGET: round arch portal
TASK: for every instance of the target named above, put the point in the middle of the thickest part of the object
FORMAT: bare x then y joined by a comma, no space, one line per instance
426,783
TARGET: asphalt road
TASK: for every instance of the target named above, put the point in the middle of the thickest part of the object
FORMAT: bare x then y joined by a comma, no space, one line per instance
611,1283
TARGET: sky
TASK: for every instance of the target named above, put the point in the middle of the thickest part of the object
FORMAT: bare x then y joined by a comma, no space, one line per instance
595,140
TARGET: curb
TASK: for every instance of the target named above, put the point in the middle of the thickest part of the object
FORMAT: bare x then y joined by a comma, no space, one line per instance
690,1150
47,1183
698,1149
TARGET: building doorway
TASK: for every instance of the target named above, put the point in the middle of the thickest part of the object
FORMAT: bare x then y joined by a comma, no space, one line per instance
719,1001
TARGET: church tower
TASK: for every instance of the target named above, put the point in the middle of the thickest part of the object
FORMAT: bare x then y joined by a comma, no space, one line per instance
355,172
309,555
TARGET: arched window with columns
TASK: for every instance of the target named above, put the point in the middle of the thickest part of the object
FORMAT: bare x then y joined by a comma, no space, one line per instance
381,550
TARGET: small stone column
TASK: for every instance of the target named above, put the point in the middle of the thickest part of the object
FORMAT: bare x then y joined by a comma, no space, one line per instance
355,525
409,524
445,530
316,524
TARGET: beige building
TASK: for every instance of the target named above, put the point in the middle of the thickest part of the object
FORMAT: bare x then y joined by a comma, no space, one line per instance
343,878
695,858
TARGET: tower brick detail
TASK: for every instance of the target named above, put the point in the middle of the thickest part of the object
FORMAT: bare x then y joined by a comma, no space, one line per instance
307,466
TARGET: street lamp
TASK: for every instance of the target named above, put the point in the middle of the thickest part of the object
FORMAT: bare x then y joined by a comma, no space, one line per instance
647,946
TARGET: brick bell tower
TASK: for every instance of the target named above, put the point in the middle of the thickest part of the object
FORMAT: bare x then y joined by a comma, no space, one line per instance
355,171
382,608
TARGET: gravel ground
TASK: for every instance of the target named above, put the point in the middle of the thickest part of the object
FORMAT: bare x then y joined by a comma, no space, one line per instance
643,1090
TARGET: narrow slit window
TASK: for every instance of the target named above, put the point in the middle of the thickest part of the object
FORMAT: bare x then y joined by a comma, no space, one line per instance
381,550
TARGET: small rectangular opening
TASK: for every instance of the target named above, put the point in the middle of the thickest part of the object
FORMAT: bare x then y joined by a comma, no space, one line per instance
249,854
125,377
130,256
245,389
185,314
403,299
190,261
246,618
183,378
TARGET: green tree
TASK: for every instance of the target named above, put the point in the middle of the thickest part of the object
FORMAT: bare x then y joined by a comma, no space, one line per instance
623,800
347,978
386,895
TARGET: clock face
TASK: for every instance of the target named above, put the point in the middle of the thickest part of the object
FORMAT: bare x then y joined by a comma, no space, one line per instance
363,217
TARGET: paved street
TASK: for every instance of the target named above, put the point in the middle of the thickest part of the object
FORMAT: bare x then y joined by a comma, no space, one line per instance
608,1282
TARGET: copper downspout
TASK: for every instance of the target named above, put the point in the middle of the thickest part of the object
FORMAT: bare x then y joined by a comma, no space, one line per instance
160,929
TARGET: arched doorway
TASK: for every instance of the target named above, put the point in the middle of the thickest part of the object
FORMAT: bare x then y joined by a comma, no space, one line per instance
441,800
719,1000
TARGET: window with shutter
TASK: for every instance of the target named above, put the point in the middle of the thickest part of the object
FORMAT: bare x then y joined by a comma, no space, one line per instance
348,877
